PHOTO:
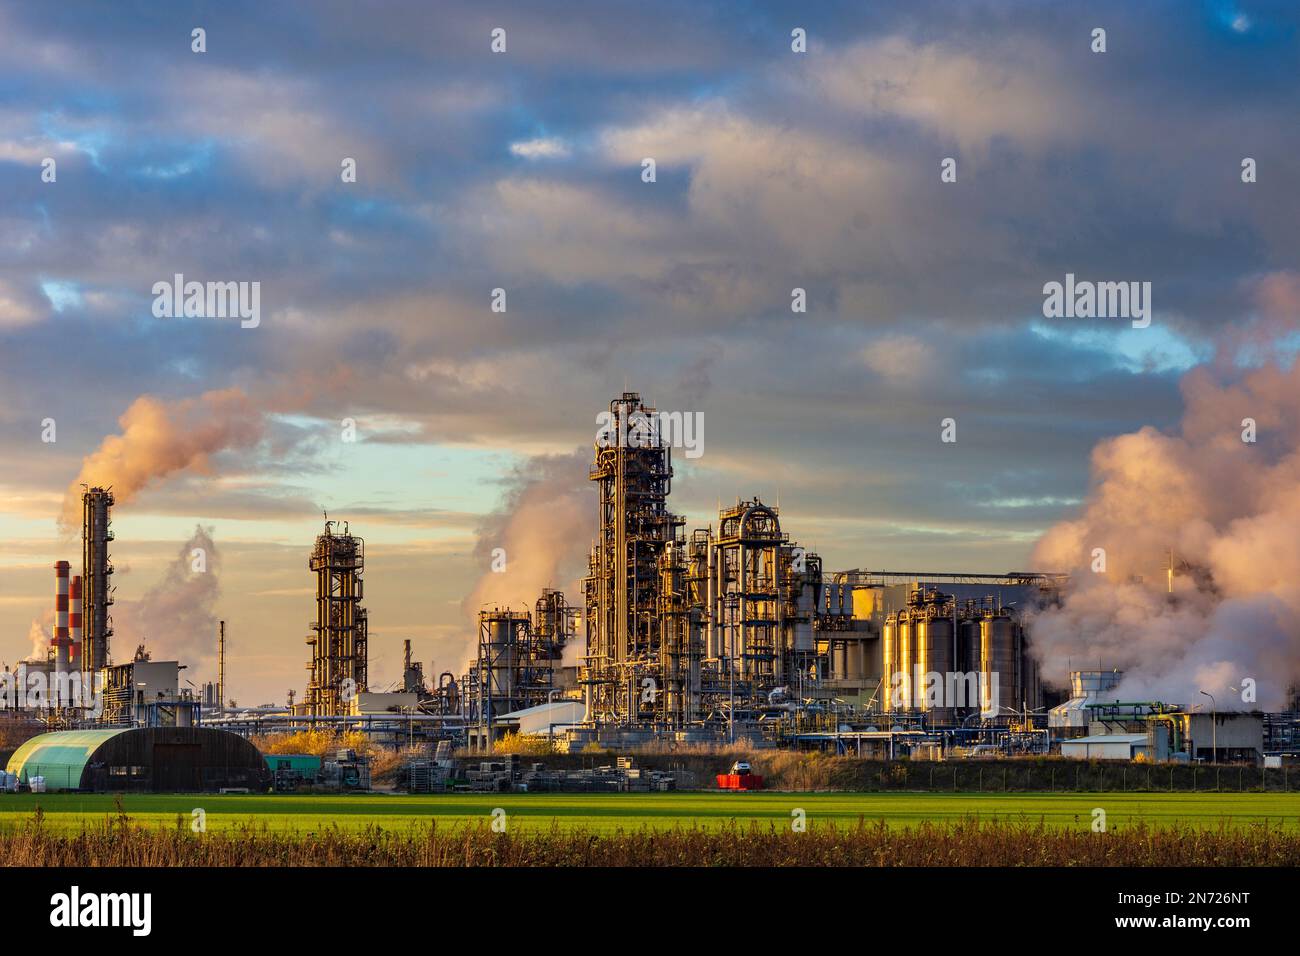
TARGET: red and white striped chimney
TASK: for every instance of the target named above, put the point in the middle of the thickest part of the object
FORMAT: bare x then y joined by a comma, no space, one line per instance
61,641
74,618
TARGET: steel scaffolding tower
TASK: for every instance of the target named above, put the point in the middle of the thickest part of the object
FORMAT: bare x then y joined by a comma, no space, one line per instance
633,472
96,570
339,653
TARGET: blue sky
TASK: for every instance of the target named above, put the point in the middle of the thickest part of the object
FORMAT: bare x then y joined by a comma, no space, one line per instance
522,171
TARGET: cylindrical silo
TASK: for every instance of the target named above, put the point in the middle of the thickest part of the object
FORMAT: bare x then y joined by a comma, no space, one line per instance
888,660
998,671
855,660
934,660
968,631
906,661
501,662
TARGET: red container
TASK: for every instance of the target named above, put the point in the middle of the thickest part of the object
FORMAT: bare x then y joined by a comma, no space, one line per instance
739,781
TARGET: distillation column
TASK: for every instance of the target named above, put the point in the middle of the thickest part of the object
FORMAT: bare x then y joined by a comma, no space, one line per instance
96,571
623,676
339,633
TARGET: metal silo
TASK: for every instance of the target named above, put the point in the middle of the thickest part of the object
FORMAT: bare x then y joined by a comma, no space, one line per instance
888,660
500,661
933,640
998,657
839,662
855,660
968,631
906,660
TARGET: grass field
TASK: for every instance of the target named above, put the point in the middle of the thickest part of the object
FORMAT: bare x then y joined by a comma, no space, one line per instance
612,811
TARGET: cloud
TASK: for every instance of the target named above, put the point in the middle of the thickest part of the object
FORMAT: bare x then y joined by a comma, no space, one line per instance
776,170
901,359
19,307
544,148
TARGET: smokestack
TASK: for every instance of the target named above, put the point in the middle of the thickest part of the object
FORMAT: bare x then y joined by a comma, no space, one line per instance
76,631
221,669
61,641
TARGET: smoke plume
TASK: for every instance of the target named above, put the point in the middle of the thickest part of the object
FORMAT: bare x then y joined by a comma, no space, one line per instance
177,618
545,527
1230,511
40,634
160,439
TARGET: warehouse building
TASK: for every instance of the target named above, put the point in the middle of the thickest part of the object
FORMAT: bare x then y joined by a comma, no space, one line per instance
1107,747
176,759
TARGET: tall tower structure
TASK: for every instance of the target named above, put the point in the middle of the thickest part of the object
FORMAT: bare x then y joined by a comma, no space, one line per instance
96,571
338,641
633,472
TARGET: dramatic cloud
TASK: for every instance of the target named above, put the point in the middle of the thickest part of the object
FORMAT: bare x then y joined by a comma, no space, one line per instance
775,170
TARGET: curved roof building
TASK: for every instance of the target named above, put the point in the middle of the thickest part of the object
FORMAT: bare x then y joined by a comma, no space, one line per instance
160,759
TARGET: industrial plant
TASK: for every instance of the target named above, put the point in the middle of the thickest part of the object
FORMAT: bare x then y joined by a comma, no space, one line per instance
731,633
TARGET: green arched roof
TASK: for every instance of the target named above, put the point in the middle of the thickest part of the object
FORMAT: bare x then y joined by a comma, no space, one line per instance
59,757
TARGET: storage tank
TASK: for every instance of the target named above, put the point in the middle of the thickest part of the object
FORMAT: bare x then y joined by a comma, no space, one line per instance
865,602
933,640
998,656
836,593
501,662
839,661
888,659
905,661
854,652
968,630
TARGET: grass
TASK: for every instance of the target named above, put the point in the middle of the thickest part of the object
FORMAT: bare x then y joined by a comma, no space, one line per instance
116,842
607,813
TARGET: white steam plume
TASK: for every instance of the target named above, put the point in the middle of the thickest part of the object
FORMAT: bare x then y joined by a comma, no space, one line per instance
177,618
545,527
1230,511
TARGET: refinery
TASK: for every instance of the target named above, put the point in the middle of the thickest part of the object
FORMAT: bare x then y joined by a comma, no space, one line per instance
731,634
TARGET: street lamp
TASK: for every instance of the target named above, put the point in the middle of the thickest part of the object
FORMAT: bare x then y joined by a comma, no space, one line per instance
1214,728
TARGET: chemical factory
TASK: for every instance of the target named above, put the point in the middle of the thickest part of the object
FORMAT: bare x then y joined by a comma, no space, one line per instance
730,633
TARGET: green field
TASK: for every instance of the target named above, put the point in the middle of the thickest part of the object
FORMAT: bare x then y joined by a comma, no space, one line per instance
308,814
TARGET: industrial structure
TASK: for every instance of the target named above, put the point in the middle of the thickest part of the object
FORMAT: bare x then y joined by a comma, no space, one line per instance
734,630
518,654
339,634
96,533
729,632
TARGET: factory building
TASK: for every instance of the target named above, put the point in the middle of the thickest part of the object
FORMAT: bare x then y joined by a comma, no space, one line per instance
1087,688
196,759
726,632
144,691
737,624
1107,747
1215,737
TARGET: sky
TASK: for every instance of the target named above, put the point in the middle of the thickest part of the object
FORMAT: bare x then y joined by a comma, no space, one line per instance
380,385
